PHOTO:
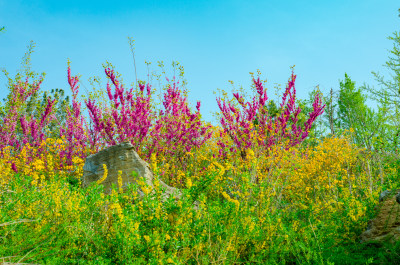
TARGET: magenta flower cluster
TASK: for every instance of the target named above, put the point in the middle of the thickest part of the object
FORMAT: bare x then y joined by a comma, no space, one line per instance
133,115
175,131
270,131
176,126
31,129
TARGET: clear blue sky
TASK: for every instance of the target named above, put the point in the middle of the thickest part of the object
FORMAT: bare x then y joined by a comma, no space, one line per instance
215,41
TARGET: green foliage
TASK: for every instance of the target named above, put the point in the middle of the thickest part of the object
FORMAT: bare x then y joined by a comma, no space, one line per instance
353,113
351,104
347,109
389,89
388,96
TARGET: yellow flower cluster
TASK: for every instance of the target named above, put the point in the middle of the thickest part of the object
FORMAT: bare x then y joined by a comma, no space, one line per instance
269,190
236,202
104,174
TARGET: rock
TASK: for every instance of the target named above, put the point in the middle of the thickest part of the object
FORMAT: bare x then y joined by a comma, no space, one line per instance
386,225
384,194
121,157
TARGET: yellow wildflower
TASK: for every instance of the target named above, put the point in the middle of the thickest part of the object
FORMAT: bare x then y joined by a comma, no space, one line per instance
104,175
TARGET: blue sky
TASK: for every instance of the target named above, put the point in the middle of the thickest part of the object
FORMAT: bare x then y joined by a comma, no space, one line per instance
215,41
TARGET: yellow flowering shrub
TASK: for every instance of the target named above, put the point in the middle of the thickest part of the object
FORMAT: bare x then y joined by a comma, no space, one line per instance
247,206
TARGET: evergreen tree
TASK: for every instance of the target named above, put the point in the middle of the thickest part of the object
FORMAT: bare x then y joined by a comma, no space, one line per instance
353,113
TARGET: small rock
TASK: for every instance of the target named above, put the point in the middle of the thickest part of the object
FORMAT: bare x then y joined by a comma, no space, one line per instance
386,225
384,194
121,157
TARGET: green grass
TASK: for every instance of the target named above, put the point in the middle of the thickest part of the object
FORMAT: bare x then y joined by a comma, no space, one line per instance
256,236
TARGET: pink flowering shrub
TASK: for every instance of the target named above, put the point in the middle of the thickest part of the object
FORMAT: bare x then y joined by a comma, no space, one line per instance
238,124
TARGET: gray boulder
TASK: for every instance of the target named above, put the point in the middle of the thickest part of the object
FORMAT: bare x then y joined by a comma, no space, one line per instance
121,157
